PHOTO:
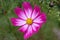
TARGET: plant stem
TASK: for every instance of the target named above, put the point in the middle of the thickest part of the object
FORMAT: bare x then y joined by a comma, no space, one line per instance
10,29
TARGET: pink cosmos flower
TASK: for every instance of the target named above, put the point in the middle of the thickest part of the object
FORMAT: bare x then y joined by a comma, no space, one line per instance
29,19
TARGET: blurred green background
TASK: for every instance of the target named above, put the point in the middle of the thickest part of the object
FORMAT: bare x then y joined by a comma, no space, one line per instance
49,31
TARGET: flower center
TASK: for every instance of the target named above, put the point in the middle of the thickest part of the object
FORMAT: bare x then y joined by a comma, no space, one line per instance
29,21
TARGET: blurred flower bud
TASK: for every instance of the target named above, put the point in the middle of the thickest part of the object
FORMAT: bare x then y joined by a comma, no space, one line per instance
4,12
51,4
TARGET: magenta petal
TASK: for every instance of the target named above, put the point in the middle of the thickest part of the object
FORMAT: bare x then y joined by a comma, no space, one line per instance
17,22
20,13
43,17
27,9
29,33
26,5
38,20
35,27
23,28
36,12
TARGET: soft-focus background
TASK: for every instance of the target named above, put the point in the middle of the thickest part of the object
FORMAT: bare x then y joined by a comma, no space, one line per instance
49,31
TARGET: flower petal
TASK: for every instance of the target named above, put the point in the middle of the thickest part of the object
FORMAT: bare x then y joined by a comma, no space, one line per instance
23,28
43,17
20,13
36,12
38,20
28,33
27,9
17,22
36,27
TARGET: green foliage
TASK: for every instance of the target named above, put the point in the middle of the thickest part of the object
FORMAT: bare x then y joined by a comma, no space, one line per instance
45,33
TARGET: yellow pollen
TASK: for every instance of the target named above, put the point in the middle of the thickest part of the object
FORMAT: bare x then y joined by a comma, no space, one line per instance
29,21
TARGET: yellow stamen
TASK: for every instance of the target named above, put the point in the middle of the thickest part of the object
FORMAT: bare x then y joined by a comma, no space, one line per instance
29,21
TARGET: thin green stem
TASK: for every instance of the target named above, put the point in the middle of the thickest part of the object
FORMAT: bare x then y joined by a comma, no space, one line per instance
9,23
